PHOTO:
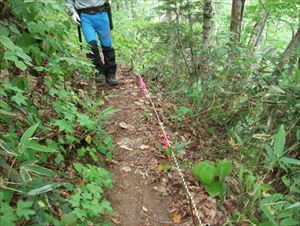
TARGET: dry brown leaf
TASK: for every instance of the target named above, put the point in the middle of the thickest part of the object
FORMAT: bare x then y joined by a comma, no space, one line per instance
115,221
176,217
126,169
123,125
143,147
126,147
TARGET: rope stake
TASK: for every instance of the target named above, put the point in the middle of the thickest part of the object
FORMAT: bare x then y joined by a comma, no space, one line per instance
142,88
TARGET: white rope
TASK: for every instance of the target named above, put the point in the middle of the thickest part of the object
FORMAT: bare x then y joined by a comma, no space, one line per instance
190,196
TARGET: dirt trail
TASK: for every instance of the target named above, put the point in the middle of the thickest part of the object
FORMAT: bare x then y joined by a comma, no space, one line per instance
145,193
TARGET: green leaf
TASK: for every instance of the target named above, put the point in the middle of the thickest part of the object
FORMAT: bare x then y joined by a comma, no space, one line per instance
250,181
25,175
106,206
7,216
78,167
19,99
7,43
224,167
267,223
215,188
295,205
39,170
44,189
279,142
270,152
24,209
290,161
20,64
25,40
204,171
10,55
69,219
80,213
32,144
28,133
289,222
64,125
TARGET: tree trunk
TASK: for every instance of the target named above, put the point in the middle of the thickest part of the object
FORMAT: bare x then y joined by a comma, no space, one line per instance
237,11
207,15
288,53
191,33
258,29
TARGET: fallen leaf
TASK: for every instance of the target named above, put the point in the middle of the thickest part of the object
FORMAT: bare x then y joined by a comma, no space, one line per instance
143,147
123,125
126,169
138,103
41,204
176,217
32,82
126,148
81,182
88,139
115,221
4,73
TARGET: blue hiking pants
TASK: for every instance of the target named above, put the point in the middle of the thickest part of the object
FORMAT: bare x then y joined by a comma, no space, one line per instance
94,25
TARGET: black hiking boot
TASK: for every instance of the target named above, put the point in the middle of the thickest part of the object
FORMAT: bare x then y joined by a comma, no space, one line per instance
111,80
100,79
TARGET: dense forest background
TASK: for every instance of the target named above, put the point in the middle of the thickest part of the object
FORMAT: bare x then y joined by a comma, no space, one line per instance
233,67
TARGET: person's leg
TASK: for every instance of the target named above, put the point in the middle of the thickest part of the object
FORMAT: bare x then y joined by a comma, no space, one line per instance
103,30
89,34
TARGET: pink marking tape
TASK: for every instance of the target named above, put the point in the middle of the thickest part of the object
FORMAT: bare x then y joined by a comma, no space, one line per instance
102,57
140,83
142,88
166,142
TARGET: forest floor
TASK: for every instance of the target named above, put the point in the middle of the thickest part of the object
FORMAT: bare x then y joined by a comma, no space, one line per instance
147,188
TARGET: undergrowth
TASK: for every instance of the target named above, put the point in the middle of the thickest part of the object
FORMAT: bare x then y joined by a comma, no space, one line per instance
52,142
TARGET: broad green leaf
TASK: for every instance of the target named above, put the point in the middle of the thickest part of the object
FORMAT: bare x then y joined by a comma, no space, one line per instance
39,170
289,222
25,40
32,144
224,167
204,171
7,43
215,188
10,55
279,142
20,64
24,209
28,133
